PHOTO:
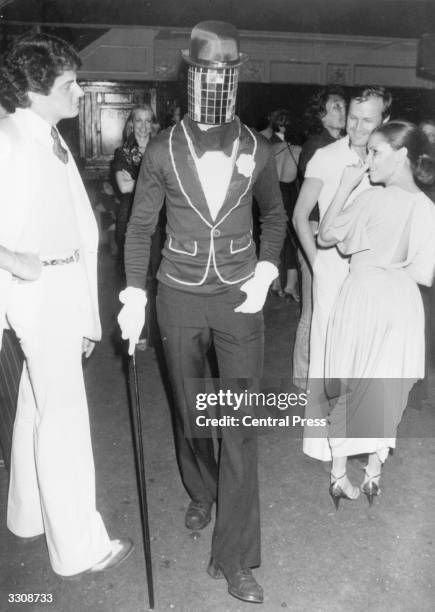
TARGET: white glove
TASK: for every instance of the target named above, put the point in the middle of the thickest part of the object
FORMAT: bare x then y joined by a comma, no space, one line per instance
131,319
256,288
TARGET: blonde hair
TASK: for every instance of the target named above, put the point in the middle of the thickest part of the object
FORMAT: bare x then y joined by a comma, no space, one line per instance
128,128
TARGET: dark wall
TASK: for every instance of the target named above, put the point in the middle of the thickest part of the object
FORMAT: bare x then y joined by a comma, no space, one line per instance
256,100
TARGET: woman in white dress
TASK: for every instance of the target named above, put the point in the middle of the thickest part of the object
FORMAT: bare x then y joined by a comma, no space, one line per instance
375,341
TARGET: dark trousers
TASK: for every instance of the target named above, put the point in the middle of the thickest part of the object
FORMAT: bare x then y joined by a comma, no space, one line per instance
419,392
11,365
289,257
189,325
122,216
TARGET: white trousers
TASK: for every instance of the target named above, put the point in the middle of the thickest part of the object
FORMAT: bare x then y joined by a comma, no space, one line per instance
301,348
52,484
329,272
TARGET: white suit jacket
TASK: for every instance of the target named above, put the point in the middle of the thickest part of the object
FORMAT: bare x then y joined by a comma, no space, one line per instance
20,186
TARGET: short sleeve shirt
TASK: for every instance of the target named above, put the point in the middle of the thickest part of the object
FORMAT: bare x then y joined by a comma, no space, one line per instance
327,165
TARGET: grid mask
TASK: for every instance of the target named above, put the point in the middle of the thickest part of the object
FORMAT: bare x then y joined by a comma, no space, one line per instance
212,94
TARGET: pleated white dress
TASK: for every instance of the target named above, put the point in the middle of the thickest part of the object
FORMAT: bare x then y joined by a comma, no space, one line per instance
375,339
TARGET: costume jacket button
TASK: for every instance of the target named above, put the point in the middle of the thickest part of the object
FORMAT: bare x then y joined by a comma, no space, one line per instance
216,233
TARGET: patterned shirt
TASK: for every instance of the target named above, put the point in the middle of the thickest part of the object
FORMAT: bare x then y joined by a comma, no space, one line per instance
128,157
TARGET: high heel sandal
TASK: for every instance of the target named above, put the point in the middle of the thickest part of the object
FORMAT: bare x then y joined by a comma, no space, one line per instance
292,295
337,492
370,488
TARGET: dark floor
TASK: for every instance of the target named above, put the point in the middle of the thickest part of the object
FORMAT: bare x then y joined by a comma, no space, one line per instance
314,558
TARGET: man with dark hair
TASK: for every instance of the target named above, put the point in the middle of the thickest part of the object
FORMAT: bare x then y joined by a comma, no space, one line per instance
211,288
44,210
325,120
368,109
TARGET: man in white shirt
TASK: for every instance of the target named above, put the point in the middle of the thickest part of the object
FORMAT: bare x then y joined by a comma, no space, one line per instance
44,210
367,110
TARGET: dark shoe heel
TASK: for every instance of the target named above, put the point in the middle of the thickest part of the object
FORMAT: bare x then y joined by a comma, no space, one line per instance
370,488
337,492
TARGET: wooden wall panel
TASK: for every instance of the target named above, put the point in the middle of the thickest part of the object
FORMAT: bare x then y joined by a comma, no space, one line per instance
295,72
275,57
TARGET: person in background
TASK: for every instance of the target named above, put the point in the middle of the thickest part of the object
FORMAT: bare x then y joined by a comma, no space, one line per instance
428,127
55,317
140,127
375,341
268,131
369,108
173,114
138,130
419,393
286,158
325,119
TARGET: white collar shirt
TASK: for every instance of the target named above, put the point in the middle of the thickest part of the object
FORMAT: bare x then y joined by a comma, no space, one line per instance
214,169
327,164
51,227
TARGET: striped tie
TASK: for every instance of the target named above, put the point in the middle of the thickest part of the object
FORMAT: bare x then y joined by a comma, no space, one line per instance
60,151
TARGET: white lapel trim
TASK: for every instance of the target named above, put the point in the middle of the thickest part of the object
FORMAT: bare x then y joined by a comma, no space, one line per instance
183,191
211,254
249,182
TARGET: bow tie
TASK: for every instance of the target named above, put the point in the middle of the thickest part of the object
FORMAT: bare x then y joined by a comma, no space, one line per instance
58,149
217,138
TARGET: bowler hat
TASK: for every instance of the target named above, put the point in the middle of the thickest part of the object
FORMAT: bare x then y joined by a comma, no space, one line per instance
214,44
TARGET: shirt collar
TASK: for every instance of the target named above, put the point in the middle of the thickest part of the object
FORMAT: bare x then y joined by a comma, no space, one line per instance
35,124
349,146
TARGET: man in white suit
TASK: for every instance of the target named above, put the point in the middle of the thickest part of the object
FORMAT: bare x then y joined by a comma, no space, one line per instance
44,210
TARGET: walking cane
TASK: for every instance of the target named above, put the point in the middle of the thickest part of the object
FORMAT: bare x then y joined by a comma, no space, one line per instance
141,482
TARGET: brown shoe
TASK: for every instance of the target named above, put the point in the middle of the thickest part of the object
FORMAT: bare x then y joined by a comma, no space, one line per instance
198,515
